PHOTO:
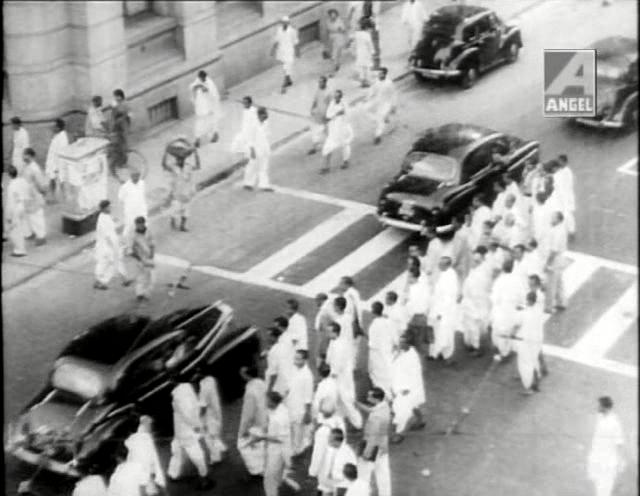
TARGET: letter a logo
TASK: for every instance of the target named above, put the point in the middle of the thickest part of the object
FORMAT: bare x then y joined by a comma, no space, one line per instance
569,83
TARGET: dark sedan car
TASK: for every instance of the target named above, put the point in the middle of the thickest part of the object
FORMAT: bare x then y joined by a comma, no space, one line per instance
445,167
462,41
119,369
616,84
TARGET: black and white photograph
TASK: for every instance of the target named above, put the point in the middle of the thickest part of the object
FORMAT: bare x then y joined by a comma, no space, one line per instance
320,248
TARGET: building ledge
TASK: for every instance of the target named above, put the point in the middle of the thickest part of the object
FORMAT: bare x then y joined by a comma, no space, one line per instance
144,27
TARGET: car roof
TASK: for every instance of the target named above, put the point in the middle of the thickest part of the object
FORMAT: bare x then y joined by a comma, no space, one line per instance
615,46
455,14
451,139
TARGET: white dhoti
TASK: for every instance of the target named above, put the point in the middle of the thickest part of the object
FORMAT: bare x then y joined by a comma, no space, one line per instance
36,223
380,370
184,451
503,323
380,112
205,126
403,407
339,132
528,362
256,172
301,434
444,336
253,454
274,470
346,405
603,473
473,323
380,469
318,132
107,263
18,230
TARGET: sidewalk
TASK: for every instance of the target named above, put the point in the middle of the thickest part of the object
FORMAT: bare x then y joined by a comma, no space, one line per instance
288,120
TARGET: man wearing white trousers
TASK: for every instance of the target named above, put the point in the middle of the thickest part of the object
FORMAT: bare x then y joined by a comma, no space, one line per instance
476,303
133,197
298,402
206,105
340,133
319,106
381,102
108,253
35,206
563,181
256,173
285,49
507,294
413,17
374,456
443,312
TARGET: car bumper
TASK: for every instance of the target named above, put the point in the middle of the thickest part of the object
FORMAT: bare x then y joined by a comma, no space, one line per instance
47,463
599,123
437,73
399,224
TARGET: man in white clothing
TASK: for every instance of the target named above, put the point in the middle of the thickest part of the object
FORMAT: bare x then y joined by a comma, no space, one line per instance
187,443
541,213
206,106
34,208
563,181
331,479
133,198
18,194
92,484
129,478
326,393
339,133
343,314
253,420
55,166
381,102
507,295
606,459
285,49
529,339
95,124
19,143
241,141
396,313
142,450
297,326
480,214
364,51
279,361
476,303
256,173
382,341
431,260
413,17
417,303
498,206
408,390
319,107
211,417
298,402
108,252
555,264
356,486
442,315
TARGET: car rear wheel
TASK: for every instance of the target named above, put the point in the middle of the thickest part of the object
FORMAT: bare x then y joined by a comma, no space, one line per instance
512,53
469,77
631,117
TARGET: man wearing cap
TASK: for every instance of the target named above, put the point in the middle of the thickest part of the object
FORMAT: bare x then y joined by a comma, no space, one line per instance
108,253
606,459
285,48
442,314
183,187
206,106
20,141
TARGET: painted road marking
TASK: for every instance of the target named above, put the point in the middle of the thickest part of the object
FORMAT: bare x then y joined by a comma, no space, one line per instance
601,337
395,285
590,361
576,274
332,200
305,244
357,260
604,262
630,167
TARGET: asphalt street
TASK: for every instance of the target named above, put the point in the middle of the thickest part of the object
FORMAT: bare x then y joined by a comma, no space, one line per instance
254,250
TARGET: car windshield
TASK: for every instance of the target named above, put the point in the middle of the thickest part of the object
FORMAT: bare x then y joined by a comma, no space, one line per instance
432,166
82,378
607,70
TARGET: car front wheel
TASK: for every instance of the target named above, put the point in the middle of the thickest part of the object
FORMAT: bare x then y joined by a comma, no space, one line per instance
469,77
512,53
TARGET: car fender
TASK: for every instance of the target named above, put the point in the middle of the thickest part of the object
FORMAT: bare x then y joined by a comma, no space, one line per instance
457,196
512,36
530,150
628,102
467,57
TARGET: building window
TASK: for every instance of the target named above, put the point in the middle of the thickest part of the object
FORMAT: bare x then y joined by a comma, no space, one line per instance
309,33
164,111
134,8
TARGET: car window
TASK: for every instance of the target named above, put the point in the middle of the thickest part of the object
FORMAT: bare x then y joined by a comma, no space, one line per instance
469,32
494,21
432,166
479,158
484,25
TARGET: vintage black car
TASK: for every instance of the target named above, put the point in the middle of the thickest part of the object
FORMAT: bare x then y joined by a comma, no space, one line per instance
462,41
616,84
444,169
123,367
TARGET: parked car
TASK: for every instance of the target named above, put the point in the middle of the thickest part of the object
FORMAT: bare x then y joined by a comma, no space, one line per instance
616,84
461,42
123,367
445,168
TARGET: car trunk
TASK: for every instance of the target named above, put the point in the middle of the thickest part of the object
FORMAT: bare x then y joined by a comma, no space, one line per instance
430,44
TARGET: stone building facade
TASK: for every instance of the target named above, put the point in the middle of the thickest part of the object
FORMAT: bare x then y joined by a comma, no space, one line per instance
58,54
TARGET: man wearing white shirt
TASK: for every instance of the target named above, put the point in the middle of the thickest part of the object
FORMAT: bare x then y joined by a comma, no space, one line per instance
331,479
129,477
108,253
55,166
476,304
133,197
326,392
364,52
297,327
381,345
142,450
533,261
92,484
529,339
96,123
413,17
327,420
507,295
541,220
408,389
34,208
606,459
381,102
435,249
343,315
563,180
256,172
278,366
442,314
19,143
354,302
480,214
356,486
285,49
418,300
396,313
339,132
253,420
206,104
242,140
298,402
18,193
498,206
321,323
555,264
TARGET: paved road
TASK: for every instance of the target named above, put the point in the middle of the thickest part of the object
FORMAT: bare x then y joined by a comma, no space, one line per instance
254,250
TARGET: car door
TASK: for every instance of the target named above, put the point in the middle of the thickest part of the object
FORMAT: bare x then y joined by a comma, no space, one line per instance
489,41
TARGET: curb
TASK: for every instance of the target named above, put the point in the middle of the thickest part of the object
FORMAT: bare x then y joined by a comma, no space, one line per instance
225,173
